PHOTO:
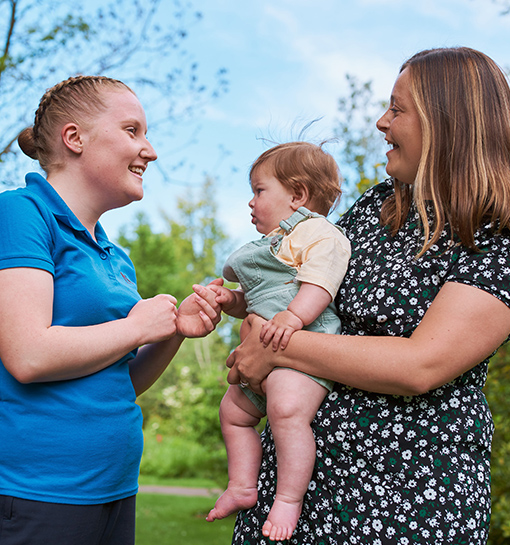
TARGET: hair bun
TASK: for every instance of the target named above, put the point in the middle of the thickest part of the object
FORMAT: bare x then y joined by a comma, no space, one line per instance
26,142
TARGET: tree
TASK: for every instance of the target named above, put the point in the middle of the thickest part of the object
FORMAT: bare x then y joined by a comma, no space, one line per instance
362,149
184,402
497,391
142,42
186,254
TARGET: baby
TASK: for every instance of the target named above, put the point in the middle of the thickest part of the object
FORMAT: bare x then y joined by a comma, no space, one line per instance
289,277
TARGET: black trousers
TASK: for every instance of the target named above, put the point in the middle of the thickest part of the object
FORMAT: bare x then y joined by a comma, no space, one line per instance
26,522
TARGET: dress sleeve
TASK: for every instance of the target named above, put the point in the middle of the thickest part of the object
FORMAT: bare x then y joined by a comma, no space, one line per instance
488,270
26,239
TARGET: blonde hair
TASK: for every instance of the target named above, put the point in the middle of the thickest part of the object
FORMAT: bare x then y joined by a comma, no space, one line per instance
463,101
299,165
72,100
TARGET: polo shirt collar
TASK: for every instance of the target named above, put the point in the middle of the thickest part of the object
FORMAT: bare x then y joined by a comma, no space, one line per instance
39,186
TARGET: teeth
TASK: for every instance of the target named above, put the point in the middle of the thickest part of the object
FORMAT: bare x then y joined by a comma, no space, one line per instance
137,170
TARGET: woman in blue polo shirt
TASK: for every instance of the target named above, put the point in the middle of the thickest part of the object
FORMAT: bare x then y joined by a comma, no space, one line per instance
71,322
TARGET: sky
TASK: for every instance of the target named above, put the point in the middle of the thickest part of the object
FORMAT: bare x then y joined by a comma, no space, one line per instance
286,62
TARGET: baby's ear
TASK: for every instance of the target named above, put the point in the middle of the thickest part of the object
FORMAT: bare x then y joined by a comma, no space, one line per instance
300,197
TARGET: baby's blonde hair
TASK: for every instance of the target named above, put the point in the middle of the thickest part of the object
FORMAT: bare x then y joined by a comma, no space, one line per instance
304,165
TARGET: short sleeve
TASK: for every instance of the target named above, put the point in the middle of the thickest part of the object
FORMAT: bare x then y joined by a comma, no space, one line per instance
325,264
320,252
25,239
488,270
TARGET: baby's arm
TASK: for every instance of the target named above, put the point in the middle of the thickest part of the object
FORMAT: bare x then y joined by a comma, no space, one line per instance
310,302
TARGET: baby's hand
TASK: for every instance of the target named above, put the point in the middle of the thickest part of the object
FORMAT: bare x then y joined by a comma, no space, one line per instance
224,297
280,329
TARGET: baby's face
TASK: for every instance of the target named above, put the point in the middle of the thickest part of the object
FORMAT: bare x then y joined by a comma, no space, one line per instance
272,202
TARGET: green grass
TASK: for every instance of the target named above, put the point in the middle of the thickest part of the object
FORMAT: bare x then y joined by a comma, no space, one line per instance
188,483
175,520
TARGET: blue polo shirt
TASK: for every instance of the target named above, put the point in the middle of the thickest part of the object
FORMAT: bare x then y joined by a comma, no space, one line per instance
75,441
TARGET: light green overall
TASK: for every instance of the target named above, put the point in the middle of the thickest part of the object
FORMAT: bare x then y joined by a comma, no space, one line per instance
270,285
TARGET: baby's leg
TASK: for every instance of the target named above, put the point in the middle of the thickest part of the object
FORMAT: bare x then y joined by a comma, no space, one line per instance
238,418
293,399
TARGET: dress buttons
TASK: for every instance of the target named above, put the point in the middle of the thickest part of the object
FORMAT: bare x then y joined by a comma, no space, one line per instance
103,256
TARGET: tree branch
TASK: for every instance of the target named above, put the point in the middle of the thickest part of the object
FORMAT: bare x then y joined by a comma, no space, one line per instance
10,31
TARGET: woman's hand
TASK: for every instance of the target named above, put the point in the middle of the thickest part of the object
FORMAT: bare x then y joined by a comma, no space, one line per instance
156,318
199,313
250,363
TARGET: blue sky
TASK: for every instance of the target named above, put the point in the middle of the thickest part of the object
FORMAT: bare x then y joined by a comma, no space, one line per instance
286,62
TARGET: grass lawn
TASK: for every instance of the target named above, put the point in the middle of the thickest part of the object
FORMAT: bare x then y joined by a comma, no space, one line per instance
175,520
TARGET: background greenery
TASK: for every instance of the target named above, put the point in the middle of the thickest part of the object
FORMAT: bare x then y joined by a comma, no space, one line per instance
182,433
168,520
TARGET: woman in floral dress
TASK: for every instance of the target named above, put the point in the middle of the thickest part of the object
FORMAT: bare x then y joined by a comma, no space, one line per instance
403,442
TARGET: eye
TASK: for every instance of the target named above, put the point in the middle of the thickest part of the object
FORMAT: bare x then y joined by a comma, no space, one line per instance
132,130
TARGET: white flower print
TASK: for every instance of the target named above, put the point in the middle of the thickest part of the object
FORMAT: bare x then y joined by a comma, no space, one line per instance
430,453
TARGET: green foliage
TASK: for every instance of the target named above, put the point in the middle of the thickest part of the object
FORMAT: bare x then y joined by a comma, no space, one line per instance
362,148
172,520
186,398
497,391
181,423
185,254
168,456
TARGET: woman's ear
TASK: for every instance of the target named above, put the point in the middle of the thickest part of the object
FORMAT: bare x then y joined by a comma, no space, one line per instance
72,137
299,197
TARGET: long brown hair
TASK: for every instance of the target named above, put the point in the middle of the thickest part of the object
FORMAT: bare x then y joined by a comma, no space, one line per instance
463,101
75,99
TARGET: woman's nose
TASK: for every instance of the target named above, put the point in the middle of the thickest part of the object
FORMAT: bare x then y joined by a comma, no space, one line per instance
382,123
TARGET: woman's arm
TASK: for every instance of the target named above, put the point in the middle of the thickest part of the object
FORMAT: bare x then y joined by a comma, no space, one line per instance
33,350
461,328
196,317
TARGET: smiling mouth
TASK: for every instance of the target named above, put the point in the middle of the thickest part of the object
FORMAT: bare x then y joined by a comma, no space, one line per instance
137,170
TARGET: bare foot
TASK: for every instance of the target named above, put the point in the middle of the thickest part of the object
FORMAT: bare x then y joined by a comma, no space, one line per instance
233,500
282,520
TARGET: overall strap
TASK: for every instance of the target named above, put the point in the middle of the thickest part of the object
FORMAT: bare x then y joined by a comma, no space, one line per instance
301,214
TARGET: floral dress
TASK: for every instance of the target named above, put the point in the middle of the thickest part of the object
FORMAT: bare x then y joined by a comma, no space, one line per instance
393,469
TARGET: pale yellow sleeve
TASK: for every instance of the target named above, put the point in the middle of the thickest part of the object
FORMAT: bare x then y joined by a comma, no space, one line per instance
319,251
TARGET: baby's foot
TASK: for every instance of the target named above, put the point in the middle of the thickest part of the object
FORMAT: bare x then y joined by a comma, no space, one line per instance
232,500
282,520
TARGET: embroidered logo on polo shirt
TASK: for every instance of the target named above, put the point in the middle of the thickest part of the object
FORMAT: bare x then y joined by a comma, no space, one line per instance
126,278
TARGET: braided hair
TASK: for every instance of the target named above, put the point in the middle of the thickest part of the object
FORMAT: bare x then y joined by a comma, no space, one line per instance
71,100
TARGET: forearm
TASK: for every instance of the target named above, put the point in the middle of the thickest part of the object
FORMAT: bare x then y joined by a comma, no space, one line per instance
151,361
63,353
462,327
385,365
237,308
34,350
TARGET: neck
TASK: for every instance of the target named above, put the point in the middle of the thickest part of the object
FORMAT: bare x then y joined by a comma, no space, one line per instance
77,199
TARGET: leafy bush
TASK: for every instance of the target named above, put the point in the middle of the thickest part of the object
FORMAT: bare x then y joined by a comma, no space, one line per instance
167,456
181,423
497,391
